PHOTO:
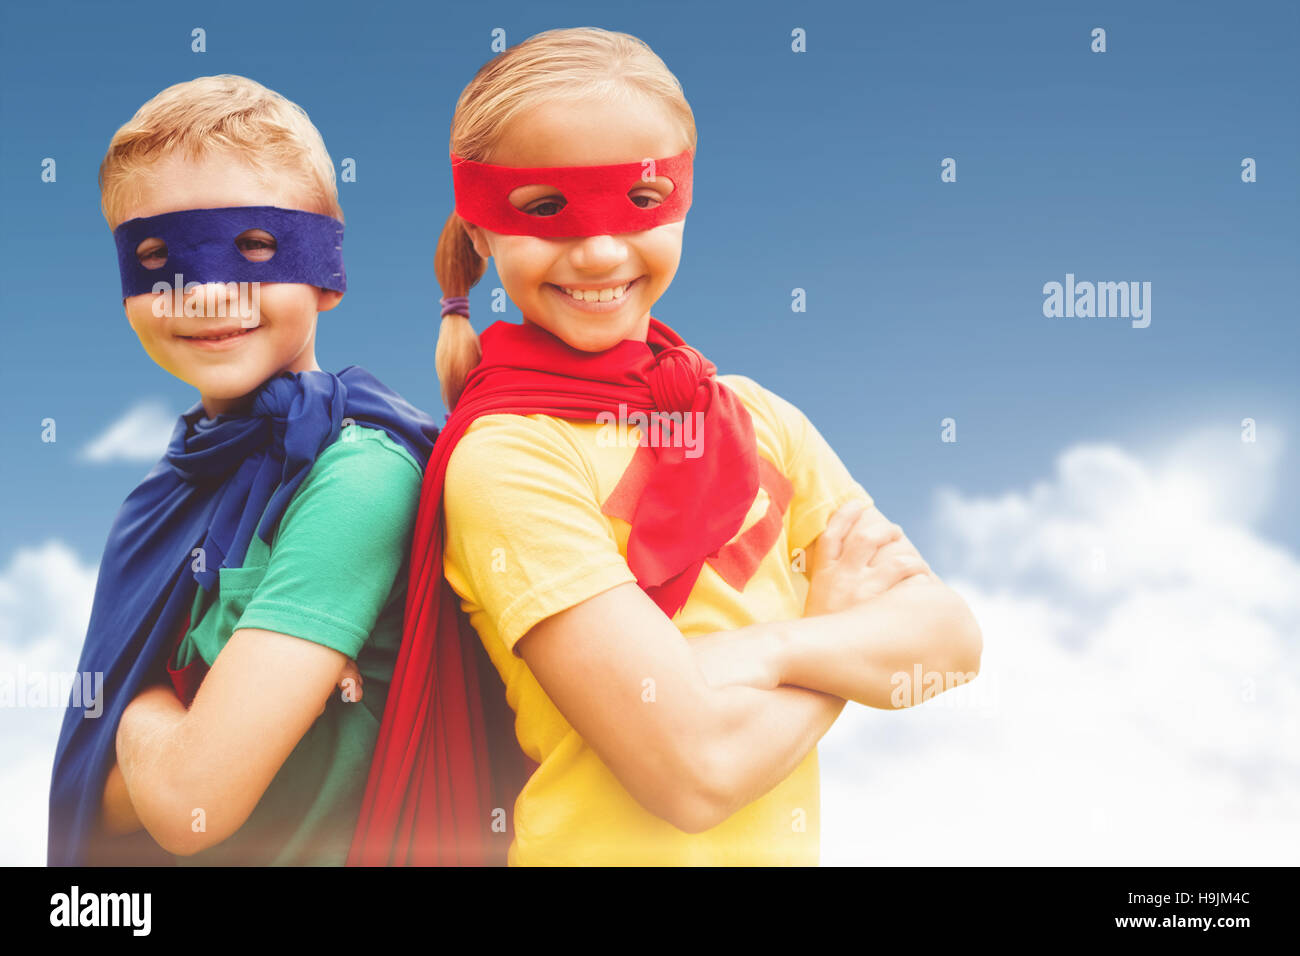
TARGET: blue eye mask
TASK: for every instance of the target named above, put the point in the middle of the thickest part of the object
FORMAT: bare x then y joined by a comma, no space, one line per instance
201,248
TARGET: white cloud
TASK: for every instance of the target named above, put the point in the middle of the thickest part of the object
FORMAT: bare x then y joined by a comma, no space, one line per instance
1138,699
1136,704
45,598
140,435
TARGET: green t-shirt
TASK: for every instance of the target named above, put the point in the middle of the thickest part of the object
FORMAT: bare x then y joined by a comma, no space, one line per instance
334,573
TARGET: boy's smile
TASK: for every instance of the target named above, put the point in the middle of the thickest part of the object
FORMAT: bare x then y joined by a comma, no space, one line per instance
590,291
213,340
218,340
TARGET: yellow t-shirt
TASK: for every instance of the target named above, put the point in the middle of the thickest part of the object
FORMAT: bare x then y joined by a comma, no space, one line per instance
527,538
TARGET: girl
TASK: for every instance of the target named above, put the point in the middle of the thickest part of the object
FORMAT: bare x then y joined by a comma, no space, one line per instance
629,536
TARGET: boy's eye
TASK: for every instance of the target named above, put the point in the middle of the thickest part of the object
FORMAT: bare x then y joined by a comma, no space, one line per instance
646,199
152,253
255,245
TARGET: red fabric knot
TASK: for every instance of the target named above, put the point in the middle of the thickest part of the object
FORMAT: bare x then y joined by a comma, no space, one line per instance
677,376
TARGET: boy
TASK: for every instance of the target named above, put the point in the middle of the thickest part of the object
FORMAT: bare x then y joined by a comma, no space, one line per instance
268,549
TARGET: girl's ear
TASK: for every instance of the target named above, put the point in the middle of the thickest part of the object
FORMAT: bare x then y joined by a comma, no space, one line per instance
479,240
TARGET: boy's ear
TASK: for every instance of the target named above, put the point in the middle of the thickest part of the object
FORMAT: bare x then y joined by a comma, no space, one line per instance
326,299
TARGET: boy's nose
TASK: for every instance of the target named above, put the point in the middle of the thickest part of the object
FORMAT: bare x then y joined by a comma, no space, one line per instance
199,297
223,300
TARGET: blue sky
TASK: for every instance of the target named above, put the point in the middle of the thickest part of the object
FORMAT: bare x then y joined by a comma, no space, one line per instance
818,170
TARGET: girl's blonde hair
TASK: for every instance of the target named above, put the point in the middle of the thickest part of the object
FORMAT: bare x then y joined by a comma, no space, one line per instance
580,63
213,113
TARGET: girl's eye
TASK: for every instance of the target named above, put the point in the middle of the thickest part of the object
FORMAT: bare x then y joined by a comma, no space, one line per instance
647,199
547,207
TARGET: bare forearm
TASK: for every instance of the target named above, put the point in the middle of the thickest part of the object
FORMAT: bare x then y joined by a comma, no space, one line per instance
261,695
758,732
869,651
761,736
151,755
118,814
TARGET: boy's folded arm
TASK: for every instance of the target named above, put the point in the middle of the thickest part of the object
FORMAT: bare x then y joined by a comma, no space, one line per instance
313,609
117,814
262,694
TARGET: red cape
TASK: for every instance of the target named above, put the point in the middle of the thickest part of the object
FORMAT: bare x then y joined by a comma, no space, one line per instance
447,767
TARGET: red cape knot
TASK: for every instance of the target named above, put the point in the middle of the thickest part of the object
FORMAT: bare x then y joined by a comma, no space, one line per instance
677,375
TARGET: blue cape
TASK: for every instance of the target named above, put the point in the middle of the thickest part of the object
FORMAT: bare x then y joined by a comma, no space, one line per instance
220,480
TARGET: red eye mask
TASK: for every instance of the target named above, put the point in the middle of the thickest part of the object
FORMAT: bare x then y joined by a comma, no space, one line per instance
596,198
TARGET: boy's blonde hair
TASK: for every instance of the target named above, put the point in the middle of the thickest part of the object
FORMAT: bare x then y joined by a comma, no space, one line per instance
213,113
568,64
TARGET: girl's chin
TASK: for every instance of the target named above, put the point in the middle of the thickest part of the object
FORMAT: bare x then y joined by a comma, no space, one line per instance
594,333
599,340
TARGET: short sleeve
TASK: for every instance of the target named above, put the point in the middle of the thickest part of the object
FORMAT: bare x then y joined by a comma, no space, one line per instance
821,483
340,544
525,538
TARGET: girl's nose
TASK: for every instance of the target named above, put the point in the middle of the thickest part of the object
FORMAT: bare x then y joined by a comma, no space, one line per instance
598,252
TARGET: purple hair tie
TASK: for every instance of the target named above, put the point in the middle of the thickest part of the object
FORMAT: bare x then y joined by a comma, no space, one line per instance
455,305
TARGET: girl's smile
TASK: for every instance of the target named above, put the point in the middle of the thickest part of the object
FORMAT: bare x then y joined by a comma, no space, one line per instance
588,298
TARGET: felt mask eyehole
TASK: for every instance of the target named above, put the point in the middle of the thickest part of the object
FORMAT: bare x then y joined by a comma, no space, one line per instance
152,253
648,193
538,200
255,245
